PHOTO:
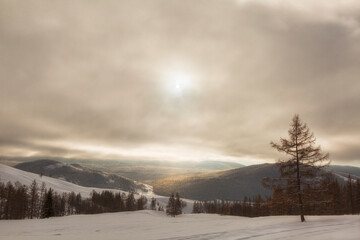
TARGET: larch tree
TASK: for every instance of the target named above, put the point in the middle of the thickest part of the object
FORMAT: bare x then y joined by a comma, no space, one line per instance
304,165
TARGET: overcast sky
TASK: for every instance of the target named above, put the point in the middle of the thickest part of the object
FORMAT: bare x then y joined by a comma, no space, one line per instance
177,80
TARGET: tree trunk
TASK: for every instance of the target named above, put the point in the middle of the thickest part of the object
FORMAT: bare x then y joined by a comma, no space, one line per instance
302,218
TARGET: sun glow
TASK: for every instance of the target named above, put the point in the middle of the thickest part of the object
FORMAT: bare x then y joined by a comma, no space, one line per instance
179,82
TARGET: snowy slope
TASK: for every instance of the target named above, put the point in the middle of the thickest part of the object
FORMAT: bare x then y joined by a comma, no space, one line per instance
155,225
13,175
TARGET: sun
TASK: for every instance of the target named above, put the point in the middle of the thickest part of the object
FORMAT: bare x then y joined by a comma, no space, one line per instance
179,82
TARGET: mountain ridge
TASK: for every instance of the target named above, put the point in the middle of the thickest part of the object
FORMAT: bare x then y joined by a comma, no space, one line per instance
80,175
232,184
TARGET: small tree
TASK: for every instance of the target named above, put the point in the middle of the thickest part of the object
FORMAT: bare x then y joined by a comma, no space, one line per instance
153,204
174,205
303,166
178,204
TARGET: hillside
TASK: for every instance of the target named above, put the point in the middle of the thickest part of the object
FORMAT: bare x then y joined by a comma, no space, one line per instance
139,170
232,184
80,175
155,225
346,170
13,175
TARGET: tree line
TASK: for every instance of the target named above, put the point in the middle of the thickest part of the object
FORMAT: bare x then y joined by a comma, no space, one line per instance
18,201
327,198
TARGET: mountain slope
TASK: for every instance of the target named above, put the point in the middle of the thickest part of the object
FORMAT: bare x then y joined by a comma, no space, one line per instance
345,170
16,175
139,170
13,175
232,184
80,175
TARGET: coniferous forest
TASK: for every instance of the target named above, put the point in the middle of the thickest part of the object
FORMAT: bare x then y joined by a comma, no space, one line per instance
19,201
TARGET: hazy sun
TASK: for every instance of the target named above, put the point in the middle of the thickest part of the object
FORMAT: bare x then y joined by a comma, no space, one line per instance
178,82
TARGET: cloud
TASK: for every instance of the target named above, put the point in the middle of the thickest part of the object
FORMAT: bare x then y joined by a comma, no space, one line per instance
91,74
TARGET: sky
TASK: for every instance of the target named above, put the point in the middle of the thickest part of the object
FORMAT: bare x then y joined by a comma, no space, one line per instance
177,80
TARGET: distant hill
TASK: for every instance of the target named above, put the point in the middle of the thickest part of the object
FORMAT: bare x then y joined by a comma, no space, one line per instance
139,170
232,184
10,174
80,175
346,170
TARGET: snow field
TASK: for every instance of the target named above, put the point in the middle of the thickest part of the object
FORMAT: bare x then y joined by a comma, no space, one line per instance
149,224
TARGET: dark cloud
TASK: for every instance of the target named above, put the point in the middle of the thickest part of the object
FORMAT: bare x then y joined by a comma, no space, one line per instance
79,75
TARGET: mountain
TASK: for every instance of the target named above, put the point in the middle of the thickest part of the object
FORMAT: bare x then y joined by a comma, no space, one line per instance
232,184
13,175
139,170
345,170
80,175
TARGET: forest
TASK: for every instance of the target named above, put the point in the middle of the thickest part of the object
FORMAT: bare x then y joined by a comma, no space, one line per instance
327,198
19,201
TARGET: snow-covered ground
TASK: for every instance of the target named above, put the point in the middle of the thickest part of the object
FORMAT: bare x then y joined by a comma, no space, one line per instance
13,175
156,225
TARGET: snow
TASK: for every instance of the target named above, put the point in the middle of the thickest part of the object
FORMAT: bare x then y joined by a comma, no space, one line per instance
11,174
53,166
346,179
156,225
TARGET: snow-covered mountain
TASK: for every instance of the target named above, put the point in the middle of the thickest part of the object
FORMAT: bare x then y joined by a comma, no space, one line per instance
13,175
80,175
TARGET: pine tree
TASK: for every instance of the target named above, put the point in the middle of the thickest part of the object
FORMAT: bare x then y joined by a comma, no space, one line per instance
170,207
178,205
303,165
34,199
198,207
9,195
41,199
130,202
153,204
141,202
48,207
